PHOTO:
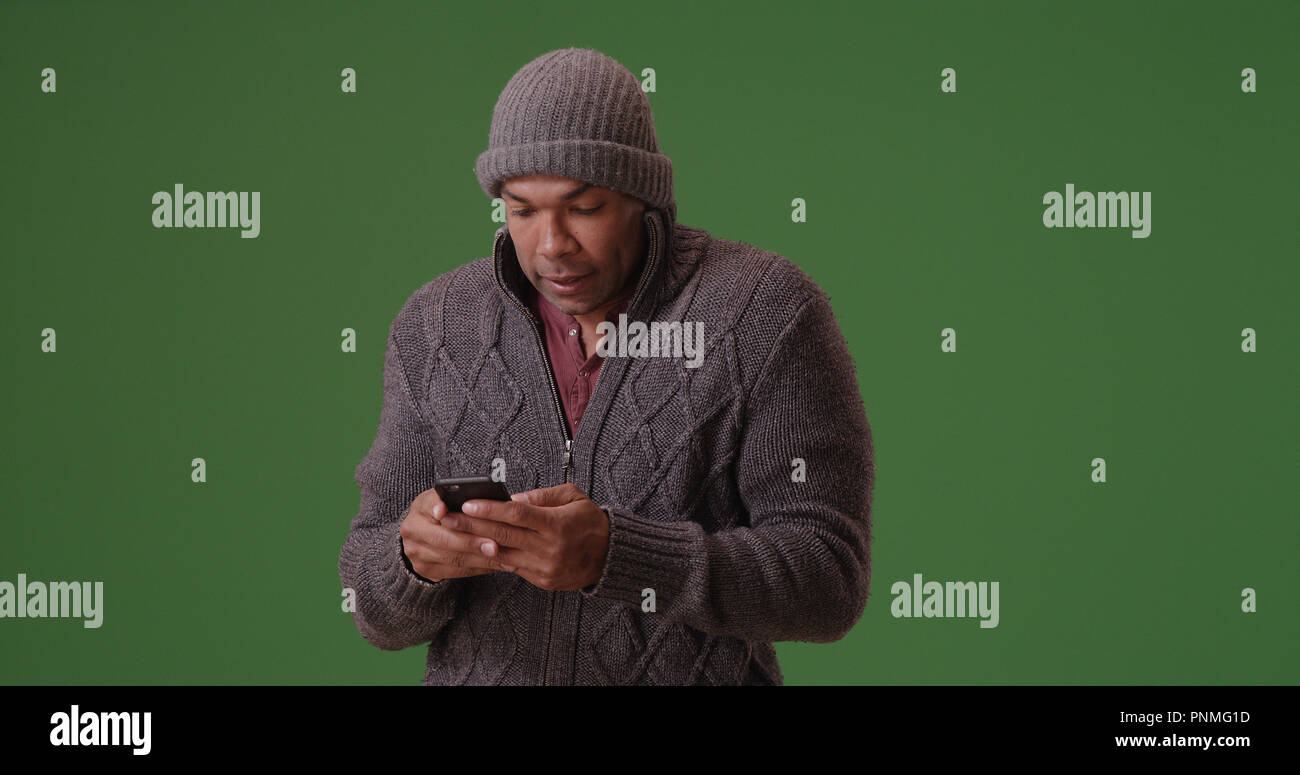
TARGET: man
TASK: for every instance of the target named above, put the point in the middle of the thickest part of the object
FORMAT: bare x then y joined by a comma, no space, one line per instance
671,517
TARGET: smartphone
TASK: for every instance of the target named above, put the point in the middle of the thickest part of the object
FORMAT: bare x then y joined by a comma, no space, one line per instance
454,492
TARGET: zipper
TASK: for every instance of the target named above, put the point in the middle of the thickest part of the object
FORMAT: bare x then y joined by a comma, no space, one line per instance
555,396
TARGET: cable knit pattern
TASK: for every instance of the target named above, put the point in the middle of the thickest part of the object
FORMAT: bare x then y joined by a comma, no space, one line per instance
693,467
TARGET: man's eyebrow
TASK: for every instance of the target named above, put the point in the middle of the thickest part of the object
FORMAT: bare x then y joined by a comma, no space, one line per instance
569,195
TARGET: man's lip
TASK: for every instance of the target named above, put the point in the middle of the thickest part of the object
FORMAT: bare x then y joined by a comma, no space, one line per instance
567,287
565,280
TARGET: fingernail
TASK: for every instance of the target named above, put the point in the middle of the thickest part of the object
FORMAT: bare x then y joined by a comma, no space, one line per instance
470,507
487,548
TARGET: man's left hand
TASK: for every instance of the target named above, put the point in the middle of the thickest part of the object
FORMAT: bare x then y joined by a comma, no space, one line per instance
556,538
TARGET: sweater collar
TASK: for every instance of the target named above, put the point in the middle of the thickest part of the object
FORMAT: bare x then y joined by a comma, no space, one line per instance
514,285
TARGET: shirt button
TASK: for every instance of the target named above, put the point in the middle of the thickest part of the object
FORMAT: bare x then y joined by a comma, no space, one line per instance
573,332
582,373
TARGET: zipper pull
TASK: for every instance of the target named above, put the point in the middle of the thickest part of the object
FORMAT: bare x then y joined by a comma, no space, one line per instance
568,454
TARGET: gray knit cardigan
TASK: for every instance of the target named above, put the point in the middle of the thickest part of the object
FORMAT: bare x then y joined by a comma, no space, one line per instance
739,491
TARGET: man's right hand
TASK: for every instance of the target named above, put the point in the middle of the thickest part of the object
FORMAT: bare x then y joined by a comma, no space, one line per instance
436,552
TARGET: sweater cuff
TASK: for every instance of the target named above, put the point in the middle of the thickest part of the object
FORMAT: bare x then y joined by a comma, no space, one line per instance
644,555
410,591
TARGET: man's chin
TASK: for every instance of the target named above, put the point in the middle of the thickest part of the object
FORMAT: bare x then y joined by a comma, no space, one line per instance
570,306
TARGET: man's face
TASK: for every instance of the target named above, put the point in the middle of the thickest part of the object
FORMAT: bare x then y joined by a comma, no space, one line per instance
567,230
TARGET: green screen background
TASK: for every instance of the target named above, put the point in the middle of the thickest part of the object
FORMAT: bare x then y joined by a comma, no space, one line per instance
924,212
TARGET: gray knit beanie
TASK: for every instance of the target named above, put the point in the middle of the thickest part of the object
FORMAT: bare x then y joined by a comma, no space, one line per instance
578,114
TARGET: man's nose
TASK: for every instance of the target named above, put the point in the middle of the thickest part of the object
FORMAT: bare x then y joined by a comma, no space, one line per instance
555,240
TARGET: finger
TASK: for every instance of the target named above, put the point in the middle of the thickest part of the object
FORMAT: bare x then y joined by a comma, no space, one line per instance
421,527
511,512
502,533
496,558
520,560
436,564
431,505
439,545
469,561
454,542
558,495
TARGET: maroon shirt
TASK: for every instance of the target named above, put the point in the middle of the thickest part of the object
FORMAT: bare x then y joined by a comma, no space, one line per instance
575,373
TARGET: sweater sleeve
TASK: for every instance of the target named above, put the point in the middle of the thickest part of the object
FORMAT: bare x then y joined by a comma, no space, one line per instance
799,567
395,608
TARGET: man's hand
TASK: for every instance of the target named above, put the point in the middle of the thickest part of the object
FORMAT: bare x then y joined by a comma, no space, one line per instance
437,552
556,537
